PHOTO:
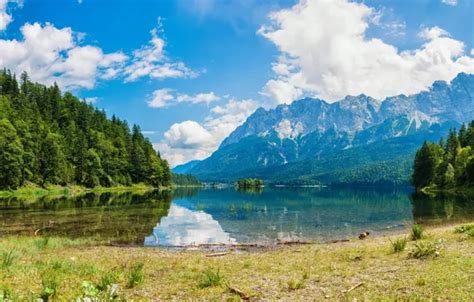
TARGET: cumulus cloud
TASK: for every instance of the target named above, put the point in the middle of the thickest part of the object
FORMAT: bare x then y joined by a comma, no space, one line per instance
151,61
450,2
50,55
324,52
190,140
167,97
183,226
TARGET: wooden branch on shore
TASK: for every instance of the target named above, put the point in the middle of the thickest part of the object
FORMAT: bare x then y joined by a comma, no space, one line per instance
354,287
239,292
217,254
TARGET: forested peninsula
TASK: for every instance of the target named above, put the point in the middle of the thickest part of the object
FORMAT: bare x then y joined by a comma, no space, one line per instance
50,138
448,165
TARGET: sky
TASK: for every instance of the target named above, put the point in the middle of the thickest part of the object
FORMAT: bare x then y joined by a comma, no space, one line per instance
189,72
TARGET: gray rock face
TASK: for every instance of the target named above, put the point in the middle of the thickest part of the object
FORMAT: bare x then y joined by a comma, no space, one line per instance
312,128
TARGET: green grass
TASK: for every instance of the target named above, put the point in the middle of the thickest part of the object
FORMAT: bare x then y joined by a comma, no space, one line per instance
7,259
211,277
399,244
425,249
417,232
32,191
136,276
68,270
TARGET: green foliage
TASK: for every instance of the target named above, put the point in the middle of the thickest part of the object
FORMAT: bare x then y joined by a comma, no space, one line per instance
136,276
185,180
399,244
11,156
425,250
416,232
211,278
467,229
50,138
446,165
249,183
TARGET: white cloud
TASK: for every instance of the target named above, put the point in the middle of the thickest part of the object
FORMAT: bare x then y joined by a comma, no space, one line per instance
324,52
151,61
190,140
5,17
185,227
166,97
450,2
50,55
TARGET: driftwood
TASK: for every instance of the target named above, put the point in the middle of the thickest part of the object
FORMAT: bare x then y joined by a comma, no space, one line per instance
239,292
291,242
338,240
354,287
217,254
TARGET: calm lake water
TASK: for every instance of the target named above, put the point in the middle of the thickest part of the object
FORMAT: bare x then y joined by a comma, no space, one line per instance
208,216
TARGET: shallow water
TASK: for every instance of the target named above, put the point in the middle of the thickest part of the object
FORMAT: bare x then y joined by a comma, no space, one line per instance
212,216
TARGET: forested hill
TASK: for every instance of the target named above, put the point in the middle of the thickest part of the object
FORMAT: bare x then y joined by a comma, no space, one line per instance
448,164
50,138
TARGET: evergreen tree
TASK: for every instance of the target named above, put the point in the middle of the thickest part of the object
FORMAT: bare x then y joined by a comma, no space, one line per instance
11,156
52,138
426,161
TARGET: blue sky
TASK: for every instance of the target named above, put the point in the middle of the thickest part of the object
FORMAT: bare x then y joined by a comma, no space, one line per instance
210,63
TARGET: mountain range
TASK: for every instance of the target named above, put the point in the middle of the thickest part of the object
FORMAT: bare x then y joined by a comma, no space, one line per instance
355,140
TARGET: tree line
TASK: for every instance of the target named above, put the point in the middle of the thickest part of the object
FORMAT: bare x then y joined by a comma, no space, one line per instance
249,183
448,164
47,137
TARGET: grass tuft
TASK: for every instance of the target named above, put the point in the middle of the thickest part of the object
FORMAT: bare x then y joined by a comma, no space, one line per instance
136,276
42,243
211,278
425,250
399,244
417,232
7,259
50,283
295,284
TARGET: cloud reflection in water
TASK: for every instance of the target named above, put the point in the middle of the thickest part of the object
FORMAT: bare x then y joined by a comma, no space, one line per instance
186,227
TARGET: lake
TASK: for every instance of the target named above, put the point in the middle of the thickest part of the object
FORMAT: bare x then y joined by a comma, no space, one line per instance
212,216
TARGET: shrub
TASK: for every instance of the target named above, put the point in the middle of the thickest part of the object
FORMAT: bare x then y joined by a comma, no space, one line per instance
467,229
136,276
211,278
425,249
399,244
416,232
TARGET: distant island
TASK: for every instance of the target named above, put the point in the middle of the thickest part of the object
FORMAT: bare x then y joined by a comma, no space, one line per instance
448,165
47,138
249,183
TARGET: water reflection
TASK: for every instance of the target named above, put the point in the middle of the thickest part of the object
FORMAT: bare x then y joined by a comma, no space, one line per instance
123,217
185,227
193,216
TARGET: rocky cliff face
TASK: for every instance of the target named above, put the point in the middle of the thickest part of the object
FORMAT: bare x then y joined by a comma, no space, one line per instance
312,129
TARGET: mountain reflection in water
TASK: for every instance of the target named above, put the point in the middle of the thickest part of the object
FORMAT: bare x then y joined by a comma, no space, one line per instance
210,216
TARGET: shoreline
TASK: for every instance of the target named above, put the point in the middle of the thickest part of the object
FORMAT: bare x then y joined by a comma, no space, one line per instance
35,191
359,269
